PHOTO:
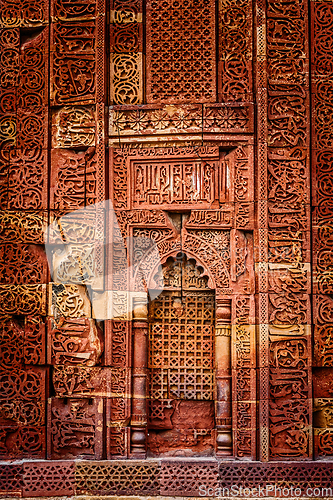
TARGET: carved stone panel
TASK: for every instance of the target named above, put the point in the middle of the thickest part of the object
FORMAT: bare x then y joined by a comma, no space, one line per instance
76,427
181,63
206,237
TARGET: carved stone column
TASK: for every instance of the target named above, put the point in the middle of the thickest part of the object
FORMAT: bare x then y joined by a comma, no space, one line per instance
139,377
223,377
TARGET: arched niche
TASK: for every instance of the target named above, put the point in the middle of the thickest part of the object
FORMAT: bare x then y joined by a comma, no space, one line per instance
182,389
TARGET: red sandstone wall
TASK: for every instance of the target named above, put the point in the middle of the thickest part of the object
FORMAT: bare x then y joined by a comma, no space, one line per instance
96,94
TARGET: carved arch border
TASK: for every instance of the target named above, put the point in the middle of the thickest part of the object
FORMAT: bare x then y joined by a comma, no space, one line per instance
234,350
172,252
222,349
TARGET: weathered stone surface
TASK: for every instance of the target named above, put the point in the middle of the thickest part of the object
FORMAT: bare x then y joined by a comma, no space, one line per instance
161,153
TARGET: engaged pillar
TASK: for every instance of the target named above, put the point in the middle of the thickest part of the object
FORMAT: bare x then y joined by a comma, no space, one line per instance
139,377
223,377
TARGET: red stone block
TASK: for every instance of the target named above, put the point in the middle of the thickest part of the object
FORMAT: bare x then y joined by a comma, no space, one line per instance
126,37
23,300
288,247
241,262
75,428
290,279
322,310
68,121
34,341
33,81
19,14
20,264
32,128
284,217
162,73
235,82
322,165
323,444
73,179
73,72
8,99
79,227
117,343
288,308
74,341
243,310
181,478
48,479
22,227
118,477
323,345
17,442
11,479
290,429
27,179
81,381
322,258
244,429
63,11
117,441
323,383
244,216
22,344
